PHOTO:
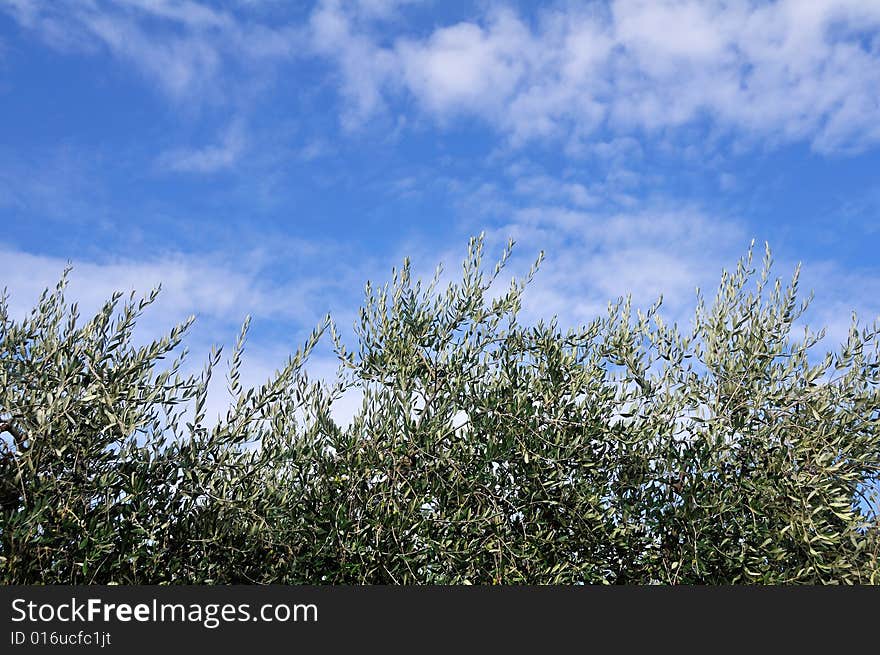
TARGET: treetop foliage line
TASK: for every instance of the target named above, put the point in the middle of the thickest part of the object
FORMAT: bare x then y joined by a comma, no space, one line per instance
486,451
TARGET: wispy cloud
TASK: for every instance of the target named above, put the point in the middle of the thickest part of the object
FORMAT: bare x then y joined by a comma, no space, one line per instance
364,67
221,287
545,188
615,81
186,48
594,257
207,159
785,70
779,71
643,246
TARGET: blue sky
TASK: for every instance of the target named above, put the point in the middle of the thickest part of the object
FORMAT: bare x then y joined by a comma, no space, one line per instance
268,157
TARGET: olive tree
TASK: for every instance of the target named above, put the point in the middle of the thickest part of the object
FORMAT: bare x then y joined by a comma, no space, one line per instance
486,449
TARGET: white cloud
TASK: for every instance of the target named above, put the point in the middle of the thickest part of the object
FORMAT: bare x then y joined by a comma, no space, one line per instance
465,66
221,288
839,292
364,68
187,48
548,189
663,248
647,248
315,149
208,159
679,30
785,70
594,258
383,8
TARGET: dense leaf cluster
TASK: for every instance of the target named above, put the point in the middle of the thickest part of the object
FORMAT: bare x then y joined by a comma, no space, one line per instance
486,451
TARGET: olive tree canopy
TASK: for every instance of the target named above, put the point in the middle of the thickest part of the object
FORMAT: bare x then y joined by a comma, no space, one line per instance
486,450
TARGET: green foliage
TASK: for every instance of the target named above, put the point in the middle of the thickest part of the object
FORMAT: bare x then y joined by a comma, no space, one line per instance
485,451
